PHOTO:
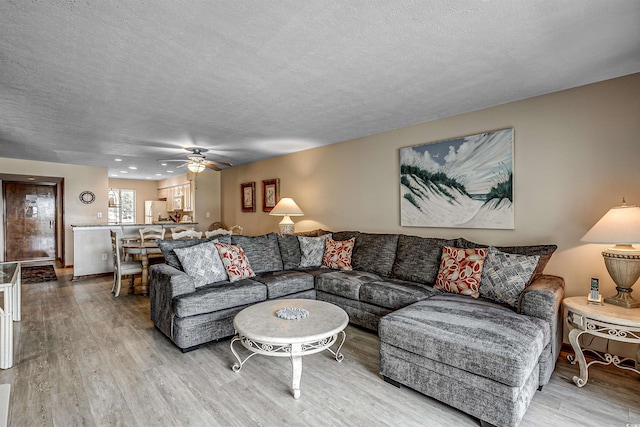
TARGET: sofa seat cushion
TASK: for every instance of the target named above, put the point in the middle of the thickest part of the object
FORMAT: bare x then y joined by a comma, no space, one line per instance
219,296
394,294
280,283
477,336
344,283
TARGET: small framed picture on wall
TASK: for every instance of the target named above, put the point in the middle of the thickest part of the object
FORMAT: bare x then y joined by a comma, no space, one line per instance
248,196
270,194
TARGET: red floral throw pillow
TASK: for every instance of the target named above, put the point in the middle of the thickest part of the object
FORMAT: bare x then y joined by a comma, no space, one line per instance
460,271
235,262
337,253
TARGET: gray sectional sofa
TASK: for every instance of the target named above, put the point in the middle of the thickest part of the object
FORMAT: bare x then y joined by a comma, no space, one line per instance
483,357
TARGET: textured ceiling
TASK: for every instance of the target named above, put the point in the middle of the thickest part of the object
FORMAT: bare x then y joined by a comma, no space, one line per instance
85,82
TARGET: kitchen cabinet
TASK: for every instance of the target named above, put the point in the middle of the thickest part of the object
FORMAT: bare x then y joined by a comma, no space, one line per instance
170,193
186,196
179,197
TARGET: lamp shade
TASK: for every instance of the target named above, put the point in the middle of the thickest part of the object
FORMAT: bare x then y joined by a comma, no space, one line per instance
195,167
286,206
621,225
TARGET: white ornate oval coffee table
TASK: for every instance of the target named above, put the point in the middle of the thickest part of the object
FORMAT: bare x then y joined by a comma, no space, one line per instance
262,332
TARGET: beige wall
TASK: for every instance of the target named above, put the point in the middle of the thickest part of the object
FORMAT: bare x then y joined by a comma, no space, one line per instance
76,180
207,192
576,156
145,190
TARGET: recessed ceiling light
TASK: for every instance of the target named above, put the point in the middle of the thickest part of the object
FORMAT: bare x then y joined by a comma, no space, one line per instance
115,174
118,160
158,174
124,172
31,178
133,167
148,177
170,171
163,164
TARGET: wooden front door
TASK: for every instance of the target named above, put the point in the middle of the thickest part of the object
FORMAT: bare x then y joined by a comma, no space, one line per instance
30,226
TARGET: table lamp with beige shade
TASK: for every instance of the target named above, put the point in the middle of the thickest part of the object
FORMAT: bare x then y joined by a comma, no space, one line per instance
287,208
620,226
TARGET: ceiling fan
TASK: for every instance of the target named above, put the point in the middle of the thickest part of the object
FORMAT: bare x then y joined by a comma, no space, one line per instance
196,161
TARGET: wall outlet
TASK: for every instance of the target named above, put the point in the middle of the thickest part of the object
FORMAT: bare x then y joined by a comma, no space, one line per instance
207,214
104,257
99,215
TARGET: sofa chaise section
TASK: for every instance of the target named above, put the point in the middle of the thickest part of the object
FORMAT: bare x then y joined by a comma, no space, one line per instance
476,355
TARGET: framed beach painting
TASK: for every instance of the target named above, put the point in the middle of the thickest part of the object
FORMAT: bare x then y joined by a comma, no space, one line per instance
248,194
464,182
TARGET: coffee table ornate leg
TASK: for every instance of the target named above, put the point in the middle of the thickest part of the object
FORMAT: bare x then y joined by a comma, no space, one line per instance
340,356
237,366
580,381
296,365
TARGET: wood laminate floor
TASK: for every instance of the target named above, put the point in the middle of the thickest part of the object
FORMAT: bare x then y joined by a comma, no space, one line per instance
85,358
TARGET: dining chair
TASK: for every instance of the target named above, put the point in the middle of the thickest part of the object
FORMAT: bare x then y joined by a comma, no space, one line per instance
151,234
180,228
122,268
216,232
216,225
186,234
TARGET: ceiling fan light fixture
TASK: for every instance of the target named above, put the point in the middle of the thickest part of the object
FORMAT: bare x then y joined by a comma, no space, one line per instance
196,167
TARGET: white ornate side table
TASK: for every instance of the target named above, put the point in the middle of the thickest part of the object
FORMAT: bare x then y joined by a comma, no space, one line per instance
606,321
10,286
260,331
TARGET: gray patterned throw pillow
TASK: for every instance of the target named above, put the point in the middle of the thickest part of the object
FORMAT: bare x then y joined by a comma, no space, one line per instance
504,275
312,250
202,263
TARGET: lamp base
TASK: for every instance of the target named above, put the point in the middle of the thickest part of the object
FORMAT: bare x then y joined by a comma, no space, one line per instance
287,229
287,226
623,265
623,299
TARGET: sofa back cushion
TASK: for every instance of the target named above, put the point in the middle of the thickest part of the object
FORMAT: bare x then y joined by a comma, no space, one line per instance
167,248
289,251
418,258
344,235
262,252
375,253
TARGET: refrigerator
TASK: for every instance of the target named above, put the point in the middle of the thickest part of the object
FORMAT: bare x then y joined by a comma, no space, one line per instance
154,209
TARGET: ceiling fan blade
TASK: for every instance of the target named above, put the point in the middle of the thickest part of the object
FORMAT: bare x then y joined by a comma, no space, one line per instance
215,168
219,163
169,160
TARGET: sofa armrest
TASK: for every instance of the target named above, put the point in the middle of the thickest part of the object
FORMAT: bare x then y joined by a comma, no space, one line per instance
542,299
170,280
165,284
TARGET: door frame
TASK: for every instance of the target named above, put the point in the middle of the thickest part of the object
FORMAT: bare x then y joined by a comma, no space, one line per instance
58,183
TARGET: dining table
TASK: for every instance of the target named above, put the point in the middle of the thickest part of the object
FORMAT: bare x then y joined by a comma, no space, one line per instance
143,250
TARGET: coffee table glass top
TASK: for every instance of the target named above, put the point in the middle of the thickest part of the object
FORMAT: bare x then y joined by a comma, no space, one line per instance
261,322
7,271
